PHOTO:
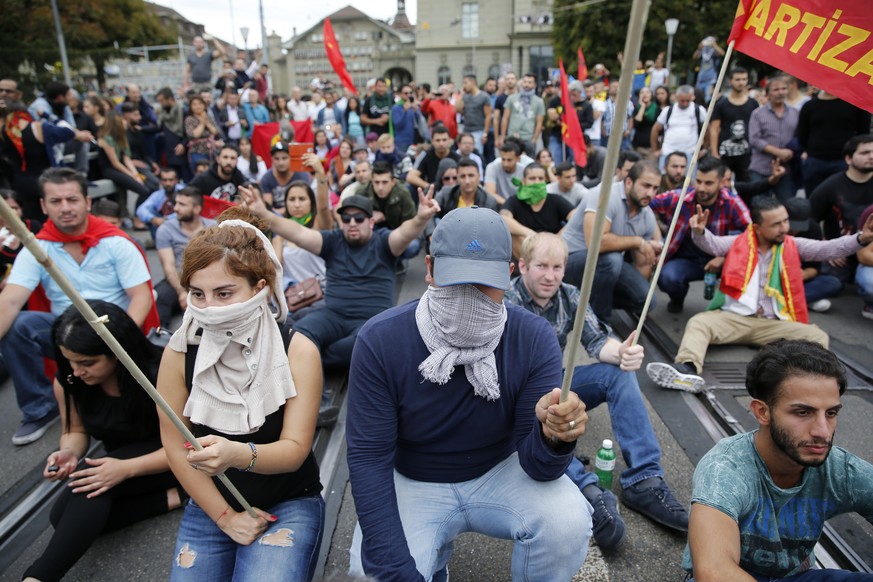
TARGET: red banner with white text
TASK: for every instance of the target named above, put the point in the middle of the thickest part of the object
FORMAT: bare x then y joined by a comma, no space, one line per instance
827,43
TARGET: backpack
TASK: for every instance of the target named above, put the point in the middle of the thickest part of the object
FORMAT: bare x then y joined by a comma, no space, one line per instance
699,121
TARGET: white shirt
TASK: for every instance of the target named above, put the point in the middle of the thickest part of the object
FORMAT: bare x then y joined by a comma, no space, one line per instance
593,132
235,130
681,133
299,110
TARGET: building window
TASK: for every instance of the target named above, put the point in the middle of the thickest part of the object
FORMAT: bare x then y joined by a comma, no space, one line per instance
361,35
494,71
470,20
444,75
316,38
468,70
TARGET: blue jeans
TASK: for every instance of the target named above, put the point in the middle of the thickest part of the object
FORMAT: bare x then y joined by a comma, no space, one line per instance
333,334
24,346
556,148
822,287
625,142
477,141
864,281
550,521
599,383
825,575
706,81
216,557
785,189
677,273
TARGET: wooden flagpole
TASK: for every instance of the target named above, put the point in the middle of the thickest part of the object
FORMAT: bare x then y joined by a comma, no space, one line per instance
638,16
98,323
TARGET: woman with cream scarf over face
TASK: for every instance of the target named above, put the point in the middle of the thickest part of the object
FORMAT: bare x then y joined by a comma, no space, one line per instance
253,408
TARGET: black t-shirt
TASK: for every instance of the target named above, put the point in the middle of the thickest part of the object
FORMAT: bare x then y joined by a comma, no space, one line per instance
839,202
551,217
430,163
733,139
375,107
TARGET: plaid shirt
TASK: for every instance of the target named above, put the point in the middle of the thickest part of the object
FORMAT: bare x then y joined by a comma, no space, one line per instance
728,215
561,313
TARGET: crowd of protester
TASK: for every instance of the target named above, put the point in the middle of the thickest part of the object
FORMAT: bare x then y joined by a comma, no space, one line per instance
786,173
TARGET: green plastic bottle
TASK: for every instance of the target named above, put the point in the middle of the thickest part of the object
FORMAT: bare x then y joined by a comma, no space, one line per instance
604,464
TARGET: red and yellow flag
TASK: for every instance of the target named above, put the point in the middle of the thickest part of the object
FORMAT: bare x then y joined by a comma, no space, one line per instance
331,46
827,43
571,131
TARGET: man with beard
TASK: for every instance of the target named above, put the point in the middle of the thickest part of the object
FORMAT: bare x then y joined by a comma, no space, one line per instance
840,199
222,179
275,183
760,298
523,115
727,215
360,262
675,165
171,239
464,432
760,499
99,260
630,229
425,171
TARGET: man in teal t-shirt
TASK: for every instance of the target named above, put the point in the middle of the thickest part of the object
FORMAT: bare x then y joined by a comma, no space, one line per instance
760,499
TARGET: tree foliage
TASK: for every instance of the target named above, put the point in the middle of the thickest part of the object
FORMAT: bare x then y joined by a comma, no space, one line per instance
601,28
95,29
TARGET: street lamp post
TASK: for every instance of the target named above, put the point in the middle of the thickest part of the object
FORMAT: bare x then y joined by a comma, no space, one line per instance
244,31
671,24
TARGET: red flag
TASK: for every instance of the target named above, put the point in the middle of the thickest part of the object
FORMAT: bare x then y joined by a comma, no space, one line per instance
583,68
266,134
827,43
571,131
336,58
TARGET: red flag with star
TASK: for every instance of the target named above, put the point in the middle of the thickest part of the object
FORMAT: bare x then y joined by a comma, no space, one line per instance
583,68
571,130
336,58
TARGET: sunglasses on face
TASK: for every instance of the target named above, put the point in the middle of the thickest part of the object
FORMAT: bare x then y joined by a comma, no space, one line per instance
348,218
450,178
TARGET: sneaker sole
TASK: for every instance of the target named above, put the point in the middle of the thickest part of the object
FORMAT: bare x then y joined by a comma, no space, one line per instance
35,435
667,376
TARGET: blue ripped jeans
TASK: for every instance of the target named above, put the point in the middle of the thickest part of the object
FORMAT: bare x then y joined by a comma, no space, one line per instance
204,552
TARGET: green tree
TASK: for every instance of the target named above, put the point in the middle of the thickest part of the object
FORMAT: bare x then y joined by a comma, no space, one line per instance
95,29
601,30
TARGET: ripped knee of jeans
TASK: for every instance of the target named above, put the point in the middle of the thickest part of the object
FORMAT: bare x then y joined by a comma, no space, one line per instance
186,557
282,538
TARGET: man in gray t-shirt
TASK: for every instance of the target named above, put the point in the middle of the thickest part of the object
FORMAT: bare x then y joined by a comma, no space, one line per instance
630,228
476,109
567,186
523,114
500,172
760,499
198,65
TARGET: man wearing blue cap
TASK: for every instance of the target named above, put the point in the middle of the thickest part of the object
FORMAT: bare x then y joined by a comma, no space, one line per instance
454,427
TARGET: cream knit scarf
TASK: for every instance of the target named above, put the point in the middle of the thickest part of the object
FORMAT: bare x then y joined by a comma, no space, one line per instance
460,325
241,374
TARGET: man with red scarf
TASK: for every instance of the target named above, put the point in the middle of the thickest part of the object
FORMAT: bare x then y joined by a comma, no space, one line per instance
760,298
99,260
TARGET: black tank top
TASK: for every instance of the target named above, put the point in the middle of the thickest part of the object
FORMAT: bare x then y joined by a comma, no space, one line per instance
262,491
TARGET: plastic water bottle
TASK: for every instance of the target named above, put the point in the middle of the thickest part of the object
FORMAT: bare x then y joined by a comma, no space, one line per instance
604,464
710,280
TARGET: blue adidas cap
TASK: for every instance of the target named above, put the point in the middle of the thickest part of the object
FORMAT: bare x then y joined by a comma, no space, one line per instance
471,246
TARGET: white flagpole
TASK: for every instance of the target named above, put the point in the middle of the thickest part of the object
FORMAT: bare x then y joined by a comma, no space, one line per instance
691,167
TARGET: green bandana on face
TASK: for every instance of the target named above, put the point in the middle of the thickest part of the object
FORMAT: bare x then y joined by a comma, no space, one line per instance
531,193
304,220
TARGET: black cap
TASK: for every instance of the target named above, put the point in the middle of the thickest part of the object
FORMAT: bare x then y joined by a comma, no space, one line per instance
279,146
799,213
359,202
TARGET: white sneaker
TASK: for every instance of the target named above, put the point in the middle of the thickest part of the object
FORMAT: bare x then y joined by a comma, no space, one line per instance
821,305
675,377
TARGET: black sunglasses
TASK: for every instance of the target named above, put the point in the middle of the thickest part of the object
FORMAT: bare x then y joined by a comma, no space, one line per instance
348,218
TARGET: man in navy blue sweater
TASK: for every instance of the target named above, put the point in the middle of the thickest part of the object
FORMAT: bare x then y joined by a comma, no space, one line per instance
455,423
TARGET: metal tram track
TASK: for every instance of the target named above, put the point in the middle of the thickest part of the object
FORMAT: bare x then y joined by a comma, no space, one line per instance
717,420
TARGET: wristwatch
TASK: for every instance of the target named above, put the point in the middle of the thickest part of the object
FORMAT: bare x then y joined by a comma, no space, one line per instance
858,238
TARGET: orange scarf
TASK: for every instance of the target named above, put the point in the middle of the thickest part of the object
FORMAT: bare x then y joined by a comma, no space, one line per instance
784,282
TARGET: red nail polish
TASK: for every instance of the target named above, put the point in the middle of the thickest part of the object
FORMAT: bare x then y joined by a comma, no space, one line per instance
188,445
273,518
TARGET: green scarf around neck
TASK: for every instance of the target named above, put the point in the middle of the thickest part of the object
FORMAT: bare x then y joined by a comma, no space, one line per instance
304,220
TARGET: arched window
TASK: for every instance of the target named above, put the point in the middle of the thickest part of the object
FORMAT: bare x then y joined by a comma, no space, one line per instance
444,75
468,70
494,71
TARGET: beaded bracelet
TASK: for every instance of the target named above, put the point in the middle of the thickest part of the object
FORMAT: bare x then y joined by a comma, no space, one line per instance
254,458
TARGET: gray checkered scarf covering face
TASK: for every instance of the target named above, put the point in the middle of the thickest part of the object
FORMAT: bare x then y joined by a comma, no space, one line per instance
460,325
